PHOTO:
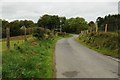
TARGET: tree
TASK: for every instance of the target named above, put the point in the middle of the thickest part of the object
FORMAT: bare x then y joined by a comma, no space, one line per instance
75,25
92,26
4,24
15,27
113,22
48,21
44,21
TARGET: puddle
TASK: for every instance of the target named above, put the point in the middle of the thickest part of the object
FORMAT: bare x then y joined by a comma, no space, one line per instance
70,73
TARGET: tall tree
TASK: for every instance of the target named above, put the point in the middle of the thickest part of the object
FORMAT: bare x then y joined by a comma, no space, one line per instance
75,25
49,21
4,25
113,22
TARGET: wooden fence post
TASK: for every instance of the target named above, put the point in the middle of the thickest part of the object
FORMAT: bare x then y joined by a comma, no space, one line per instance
96,27
87,31
25,35
106,28
8,37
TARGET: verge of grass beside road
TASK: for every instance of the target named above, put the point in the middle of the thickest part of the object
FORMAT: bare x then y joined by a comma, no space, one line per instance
33,59
104,43
13,40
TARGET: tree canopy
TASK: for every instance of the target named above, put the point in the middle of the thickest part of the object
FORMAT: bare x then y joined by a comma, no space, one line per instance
49,21
15,27
75,25
113,22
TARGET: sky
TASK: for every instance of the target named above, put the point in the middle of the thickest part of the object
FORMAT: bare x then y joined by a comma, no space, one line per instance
34,9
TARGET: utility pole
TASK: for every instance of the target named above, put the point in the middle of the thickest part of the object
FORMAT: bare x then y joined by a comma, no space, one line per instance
8,37
60,29
60,26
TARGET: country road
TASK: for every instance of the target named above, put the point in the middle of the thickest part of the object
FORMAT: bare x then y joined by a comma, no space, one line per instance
73,60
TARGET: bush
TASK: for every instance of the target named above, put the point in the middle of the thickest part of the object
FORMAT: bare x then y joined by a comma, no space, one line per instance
41,33
38,33
62,34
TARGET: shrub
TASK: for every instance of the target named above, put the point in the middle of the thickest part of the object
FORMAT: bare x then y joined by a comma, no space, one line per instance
38,32
62,34
41,33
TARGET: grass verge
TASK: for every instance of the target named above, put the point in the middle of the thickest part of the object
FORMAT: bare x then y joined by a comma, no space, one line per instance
100,43
33,59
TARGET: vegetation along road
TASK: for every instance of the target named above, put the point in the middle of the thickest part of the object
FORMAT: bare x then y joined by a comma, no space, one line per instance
73,60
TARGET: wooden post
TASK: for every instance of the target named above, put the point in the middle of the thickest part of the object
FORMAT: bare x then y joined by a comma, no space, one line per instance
25,35
87,32
106,27
8,37
96,27
82,32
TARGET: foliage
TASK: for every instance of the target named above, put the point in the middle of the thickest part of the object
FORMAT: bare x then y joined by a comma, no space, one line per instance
15,27
75,25
49,21
72,25
42,33
113,22
38,32
92,26
63,34
4,25
33,59
105,42
53,22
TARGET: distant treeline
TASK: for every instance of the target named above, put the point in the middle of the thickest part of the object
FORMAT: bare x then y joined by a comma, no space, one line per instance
54,23
15,27
113,22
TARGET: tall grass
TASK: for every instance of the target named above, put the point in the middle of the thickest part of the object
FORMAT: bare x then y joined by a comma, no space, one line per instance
105,43
33,59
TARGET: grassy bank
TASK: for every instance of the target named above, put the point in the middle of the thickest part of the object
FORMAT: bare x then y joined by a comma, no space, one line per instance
105,43
33,59
13,40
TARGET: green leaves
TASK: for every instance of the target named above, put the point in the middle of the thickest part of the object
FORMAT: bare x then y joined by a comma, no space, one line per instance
113,22
75,25
49,21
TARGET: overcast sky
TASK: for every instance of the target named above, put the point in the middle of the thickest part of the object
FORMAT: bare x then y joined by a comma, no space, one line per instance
19,9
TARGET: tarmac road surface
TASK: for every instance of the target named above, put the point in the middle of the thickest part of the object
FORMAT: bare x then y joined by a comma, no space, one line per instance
74,60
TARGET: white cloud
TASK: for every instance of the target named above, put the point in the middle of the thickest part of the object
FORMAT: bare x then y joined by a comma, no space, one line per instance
33,10
60,0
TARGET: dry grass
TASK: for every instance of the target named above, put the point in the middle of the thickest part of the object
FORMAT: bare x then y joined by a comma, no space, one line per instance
13,40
